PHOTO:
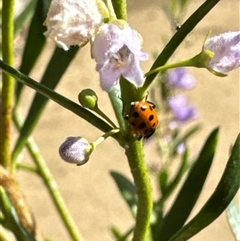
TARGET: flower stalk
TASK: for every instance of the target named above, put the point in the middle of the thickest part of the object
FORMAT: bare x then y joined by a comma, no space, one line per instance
103,138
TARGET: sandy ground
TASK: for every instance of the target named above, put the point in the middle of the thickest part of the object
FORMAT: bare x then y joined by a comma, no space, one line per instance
89,191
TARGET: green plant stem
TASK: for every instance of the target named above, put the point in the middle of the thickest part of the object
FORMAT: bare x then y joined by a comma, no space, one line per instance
61,100
51,185
7,83
135,155
120,7
104,116
28,168
183,63
177,39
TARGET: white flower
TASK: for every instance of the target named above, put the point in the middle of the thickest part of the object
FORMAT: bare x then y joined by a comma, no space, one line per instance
226,49
72,22
117,51
76,150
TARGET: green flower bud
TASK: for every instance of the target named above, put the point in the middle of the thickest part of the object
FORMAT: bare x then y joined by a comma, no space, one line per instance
88,99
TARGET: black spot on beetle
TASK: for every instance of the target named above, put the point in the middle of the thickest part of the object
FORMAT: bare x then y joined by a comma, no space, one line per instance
142,125
132,124
151,117
135,114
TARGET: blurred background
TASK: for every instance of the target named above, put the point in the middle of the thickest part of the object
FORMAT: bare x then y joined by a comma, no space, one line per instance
89,190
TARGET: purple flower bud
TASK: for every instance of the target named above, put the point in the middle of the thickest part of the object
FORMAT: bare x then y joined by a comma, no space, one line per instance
181,79
182,109
72,22
117,51
226,49
75,150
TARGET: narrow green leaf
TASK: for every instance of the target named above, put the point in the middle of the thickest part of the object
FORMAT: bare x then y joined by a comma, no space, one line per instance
59,99
190,190
127,189
120,236
166,193
116,233
182,139
219,200
35,42
174,182
24,16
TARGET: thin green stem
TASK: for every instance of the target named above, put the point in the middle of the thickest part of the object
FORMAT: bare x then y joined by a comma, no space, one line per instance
120,7
135,155
27,168
177,39
61,100
104,116
7,83
51,185
182,63
104,137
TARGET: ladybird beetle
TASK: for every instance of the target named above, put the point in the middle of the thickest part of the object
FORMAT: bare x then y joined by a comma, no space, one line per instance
142,118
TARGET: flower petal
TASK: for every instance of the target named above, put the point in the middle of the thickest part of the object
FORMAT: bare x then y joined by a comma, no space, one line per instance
72,22
108,78
117,51
134,74
226,48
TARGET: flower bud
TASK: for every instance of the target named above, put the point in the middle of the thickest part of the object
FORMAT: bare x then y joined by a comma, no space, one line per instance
226,49
75,150
88,99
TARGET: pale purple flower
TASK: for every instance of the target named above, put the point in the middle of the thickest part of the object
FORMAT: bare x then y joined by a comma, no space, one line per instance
181,79
76,150
181,148
117,51
183,111
226,49
72,22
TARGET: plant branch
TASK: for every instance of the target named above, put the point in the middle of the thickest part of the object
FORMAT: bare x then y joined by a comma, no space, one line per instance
135,155
61,100
8,82
177,39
